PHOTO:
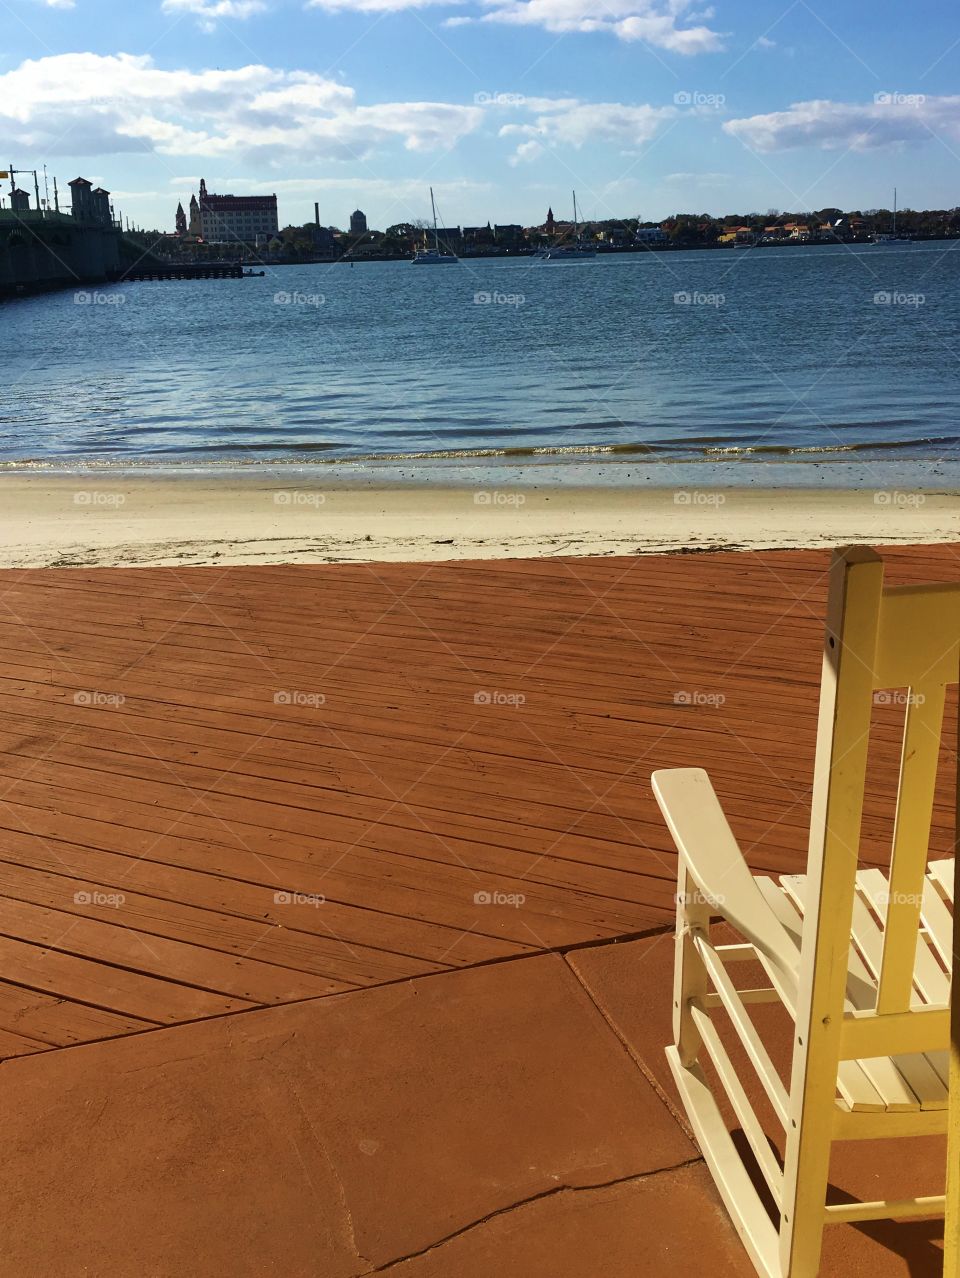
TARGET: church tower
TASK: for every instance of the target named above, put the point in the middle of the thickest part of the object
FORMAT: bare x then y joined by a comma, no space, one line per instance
181,222
549,225
194,216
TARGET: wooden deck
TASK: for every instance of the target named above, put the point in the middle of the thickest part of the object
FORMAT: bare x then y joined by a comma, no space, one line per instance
225,788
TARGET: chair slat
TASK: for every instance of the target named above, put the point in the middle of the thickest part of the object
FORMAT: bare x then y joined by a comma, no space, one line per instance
854,1085
911,836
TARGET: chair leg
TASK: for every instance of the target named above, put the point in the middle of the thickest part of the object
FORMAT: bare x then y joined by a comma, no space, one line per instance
806,1173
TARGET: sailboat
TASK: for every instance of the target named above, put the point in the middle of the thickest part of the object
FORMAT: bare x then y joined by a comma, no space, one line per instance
575,252
433,257
893,238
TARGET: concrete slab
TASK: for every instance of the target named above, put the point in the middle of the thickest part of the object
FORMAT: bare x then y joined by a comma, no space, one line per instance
329,1137
631,984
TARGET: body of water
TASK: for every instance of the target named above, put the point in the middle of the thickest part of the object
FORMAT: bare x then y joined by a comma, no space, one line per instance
808,353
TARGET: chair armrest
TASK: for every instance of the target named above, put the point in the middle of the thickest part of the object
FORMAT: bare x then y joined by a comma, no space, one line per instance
713,858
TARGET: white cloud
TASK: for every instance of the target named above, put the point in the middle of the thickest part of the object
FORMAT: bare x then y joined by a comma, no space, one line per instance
660,23
656,22
59,4
376,6
209,11
87,104
891,118
568,122
697,179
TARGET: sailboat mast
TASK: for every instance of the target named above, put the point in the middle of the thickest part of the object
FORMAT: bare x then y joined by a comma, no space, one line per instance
436,238
576,228
894,210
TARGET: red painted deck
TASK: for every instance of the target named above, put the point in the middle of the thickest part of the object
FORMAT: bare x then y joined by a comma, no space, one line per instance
225,788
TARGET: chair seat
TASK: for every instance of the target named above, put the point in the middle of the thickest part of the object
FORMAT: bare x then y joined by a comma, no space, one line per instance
899,1084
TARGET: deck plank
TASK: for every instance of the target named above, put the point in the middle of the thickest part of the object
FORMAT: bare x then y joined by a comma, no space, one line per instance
396,797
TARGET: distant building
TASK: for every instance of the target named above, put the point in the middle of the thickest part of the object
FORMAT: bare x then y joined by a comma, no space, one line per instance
101,206
181,220
194,223
549,225
89,205
509,236
235,218
81,205
650,235
19,201
358,222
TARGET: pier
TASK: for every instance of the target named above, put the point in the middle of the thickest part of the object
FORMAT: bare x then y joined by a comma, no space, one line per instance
180,271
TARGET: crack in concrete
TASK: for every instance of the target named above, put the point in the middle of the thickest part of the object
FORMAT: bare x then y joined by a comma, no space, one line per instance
526,1202
639,1062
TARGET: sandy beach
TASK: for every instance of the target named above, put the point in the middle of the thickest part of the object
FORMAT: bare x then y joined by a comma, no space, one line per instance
101,520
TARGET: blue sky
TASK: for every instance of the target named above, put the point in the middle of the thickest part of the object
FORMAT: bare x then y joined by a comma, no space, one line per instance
646,107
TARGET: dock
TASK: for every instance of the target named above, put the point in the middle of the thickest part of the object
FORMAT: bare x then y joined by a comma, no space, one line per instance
180,271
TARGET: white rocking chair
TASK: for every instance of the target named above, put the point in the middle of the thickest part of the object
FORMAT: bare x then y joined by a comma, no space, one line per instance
860,958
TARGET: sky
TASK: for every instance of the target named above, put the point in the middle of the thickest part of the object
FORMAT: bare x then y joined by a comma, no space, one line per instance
644,107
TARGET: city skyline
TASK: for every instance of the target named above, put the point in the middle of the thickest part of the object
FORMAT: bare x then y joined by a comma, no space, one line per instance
648,109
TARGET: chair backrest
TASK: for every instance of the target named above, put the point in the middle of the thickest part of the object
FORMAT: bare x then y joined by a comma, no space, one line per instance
905,637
